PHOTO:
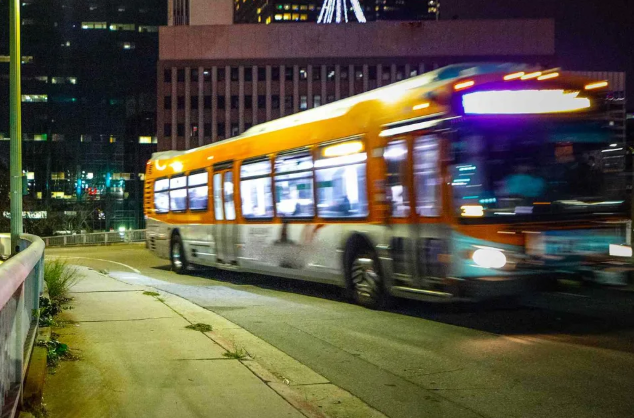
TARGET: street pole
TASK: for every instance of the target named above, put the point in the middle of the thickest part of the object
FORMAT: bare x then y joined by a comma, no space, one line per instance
15,123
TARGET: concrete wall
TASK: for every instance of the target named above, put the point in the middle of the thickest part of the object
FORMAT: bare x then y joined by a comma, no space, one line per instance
211,12
455,38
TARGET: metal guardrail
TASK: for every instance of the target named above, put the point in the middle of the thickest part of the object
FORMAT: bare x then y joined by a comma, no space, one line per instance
21,283
96,238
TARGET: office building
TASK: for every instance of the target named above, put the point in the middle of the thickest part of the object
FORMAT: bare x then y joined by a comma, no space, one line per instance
88,105
236,76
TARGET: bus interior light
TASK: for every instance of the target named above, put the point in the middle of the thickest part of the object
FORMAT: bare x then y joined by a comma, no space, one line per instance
463,85
421,106
531,75
523,102
514,76
547,76
472,211
597,85
344,148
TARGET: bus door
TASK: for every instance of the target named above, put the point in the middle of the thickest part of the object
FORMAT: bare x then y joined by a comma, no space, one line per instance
403,229
432,234
225,230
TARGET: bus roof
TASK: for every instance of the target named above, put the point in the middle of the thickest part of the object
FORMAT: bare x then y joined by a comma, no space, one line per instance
341,107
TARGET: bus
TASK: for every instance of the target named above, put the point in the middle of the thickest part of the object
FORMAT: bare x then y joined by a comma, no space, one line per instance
465,183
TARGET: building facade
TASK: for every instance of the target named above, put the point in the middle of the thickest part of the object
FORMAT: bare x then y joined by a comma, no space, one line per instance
88,105
216,87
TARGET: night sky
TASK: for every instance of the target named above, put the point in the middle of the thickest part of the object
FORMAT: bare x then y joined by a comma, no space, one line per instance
592,35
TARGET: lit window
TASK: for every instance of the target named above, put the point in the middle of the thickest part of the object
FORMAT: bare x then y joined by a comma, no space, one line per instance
147,140
197,192
295,16
303,7
42,78
317,100
287,16
39,137
303,17
26,22
112,139
86,138
122,26
311,7
58,80
145,28
303,102
34,98
295,7
127,45
268,19
72,80
287,7
93,25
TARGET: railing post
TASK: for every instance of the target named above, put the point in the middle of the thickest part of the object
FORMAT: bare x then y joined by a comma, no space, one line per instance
20,335
64,240
105,237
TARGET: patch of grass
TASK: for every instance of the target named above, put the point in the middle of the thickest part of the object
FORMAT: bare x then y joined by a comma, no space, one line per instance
200,327
147,293
38,411
104,272
237,353
160,299
59,277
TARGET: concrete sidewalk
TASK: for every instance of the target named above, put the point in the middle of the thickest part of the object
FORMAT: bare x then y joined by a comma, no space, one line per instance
139,360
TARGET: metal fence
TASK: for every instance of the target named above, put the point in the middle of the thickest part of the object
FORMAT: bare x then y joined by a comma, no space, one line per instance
96,238
21,283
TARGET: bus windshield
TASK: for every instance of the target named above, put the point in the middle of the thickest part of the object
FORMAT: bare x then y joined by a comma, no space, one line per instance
527,170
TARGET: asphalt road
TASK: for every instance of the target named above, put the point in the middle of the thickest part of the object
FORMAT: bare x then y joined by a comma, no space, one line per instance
562,354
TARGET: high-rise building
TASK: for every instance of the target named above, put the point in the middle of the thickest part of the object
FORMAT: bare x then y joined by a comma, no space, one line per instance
88,105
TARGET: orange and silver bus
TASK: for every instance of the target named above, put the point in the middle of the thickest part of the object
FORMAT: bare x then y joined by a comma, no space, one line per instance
468,182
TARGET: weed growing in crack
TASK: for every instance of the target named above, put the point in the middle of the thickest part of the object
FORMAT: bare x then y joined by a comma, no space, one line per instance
148,293
200,327
56,351
237,353
59,278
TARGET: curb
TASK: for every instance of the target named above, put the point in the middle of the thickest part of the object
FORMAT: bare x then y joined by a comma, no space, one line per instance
36,373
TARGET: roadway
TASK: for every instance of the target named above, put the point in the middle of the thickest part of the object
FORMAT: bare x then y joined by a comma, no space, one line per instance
562,354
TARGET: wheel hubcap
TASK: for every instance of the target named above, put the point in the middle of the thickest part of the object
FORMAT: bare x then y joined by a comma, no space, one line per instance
365,277
176,256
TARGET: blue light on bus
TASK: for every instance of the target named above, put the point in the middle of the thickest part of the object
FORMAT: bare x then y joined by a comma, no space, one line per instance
523,102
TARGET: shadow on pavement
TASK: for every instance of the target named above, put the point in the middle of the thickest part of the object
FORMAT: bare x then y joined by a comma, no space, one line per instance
591,317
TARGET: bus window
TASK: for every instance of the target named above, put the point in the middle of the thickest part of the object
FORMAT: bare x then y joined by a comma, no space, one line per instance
161,196
255,190
178,194
230,210
218,197
397,191
294,185
197,192
341,181
427,175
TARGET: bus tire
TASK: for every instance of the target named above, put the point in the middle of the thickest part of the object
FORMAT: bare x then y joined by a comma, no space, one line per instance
366,281
177,255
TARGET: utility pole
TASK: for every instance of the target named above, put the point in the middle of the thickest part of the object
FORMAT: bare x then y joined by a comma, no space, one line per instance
15,123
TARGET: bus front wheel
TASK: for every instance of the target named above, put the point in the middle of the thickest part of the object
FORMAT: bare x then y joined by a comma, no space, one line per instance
365,280
177,255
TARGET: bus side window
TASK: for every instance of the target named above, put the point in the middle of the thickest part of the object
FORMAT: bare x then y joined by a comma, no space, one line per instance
218,211
427,175
255,189
341,180
294,185
197,191
395,156
230,209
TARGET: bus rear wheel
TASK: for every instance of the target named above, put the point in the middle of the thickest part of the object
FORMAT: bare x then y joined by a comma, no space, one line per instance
366,282
177,255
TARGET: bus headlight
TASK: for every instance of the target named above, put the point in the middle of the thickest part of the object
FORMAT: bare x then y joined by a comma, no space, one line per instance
489,258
